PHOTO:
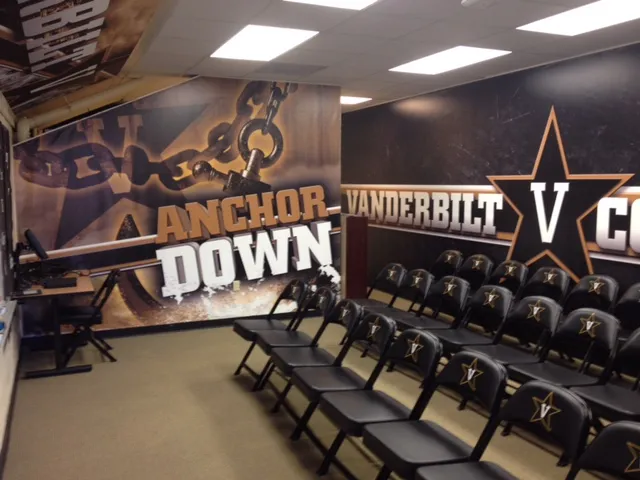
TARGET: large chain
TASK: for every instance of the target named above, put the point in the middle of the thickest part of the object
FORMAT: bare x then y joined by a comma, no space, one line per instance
59,169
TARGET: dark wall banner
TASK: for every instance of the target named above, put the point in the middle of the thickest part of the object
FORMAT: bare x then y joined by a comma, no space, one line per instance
211,195
537,166
50,48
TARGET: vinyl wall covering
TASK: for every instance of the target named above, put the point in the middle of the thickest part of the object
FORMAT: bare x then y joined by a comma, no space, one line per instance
537,166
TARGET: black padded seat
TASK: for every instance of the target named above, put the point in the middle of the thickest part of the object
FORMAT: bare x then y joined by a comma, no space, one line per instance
616,403
267,340
313,381
371,305
287,358
552,373
407,320
80,313
352,410
454,340
405,446
468,470
505,354
248,327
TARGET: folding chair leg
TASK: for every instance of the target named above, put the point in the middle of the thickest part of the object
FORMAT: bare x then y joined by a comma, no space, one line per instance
266,371
101,348
364,352
384,473
244,359
506,431
344,338
304,419
282,397
103,342
331,453
391,367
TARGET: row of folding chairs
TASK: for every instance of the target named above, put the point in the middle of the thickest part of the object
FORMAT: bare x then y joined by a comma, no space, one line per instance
407,445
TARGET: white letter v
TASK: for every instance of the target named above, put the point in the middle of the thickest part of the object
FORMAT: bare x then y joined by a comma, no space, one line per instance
547,231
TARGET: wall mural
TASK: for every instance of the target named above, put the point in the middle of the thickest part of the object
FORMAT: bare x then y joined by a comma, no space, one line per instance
537,166
212,195
53,48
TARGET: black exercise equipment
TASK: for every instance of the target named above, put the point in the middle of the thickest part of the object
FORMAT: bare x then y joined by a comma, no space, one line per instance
388,280
511,275
405,446
592,291
447,263
531,323
548,282
476,270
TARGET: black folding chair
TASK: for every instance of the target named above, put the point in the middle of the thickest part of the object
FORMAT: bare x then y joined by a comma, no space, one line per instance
351,411
592,291
84,317
548,282
476,270
314,381
405,446
346,313
388,280
511,275
320,303
414,288
447,263
247,328
615,451
487,309
548,411
531,324
627,310
586,334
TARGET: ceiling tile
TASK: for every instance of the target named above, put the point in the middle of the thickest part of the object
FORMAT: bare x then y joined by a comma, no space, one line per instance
514,40
299,15
238,11
340,42
367,84
509,13
178,46
215,33
314,57
380,25
450,32
165,63
429,10
221,67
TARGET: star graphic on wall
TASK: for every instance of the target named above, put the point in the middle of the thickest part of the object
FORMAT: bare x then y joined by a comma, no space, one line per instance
552,226
545,409
634,465
470,373
595,286
535,309
414,348
589,325
490,298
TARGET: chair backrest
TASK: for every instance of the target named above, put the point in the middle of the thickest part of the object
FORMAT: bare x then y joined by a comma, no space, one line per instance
448,295
588,334
389,280
533,320
628,358
415,286
374,330
346,313
488,308
549,282
510,274
296,291
627,310
104,292
320,302
551,412
615,451
447,263
476,270
593,291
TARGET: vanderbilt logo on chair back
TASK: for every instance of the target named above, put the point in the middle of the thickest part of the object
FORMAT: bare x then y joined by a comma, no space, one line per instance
544,411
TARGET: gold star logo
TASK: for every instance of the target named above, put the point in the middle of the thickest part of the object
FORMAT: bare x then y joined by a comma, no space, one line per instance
595,286
321,300
450,257
414,347
535,309
634,466
476,263
470,374
373,329
449,287
550,277
294,290
511,270
490,298
545,409
589,325
391,274
417,278
344,311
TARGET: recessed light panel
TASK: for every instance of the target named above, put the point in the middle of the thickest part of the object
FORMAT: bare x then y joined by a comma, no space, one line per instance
353,100
587,18
451,59
260,43
348,4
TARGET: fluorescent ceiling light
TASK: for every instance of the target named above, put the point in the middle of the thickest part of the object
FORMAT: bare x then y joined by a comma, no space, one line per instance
353,100
256,42
451,59
348,4
587,18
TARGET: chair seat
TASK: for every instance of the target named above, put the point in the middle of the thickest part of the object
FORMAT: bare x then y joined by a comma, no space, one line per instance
287,358
406,320
267,340
406,446
371,305
314,381
504,354
248,327
351,411
467,470
611,401
79,314
454,340
550,372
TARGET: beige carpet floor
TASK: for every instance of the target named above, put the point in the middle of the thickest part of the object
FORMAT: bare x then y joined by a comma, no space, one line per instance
170,409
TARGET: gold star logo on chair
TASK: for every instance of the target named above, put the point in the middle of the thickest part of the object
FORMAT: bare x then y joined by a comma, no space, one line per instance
417,278
595,286
470,374
449,287
294,290
450,257
550,277
535,309
373,329
414,348
511,270
545,410
490,298
589,325
344,311
476,263
634,466
321,300
391,274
